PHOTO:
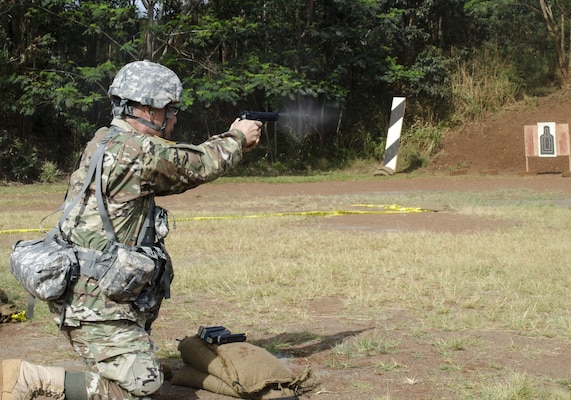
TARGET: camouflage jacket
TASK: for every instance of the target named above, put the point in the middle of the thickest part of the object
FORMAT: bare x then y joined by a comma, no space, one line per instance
135,166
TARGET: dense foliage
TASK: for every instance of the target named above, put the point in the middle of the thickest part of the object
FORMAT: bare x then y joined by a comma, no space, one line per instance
330,66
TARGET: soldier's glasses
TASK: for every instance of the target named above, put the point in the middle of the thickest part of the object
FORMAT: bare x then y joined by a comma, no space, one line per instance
172,110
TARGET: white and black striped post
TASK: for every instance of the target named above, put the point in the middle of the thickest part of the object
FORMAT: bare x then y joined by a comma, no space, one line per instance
393,137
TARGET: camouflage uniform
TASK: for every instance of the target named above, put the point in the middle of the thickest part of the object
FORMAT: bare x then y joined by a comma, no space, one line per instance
110,336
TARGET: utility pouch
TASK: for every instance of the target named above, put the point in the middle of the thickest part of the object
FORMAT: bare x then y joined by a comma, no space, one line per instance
127,272
44,267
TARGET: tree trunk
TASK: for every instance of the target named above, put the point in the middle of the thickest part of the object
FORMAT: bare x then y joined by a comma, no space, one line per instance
554,32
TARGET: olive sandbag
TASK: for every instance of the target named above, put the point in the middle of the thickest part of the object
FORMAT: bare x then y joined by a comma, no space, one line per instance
235,369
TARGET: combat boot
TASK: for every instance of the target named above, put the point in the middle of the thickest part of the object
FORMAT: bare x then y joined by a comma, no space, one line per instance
20,380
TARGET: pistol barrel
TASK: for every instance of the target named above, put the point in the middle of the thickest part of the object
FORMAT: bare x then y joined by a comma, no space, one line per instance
264,116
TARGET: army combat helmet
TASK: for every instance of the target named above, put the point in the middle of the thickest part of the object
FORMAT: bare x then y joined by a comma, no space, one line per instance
147,83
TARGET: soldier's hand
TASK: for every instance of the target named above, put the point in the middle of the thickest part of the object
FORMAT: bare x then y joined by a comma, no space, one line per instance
251,129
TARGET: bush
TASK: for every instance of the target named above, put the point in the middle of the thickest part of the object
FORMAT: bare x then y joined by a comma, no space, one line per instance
418,144
482,84
18,160
50,172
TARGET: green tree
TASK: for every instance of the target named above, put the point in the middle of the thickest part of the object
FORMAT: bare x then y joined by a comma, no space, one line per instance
55,69
557,17
516,30
330,66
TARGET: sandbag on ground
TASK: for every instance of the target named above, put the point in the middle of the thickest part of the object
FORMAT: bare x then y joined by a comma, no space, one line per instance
236,369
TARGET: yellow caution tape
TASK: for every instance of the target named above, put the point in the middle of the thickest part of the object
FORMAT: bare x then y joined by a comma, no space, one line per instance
11,231
394,207
387,209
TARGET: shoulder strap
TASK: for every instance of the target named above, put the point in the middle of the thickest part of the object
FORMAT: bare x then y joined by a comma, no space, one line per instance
95,165
101,206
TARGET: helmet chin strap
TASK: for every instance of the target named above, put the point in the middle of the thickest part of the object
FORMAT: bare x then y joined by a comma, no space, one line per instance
148,123
122,109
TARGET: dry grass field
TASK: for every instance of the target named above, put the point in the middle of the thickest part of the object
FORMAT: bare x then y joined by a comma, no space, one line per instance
466,300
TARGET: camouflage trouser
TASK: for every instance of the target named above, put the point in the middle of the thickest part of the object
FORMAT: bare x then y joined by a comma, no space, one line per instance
120,359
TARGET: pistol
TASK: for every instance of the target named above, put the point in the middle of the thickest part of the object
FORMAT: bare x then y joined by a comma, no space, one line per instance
263,116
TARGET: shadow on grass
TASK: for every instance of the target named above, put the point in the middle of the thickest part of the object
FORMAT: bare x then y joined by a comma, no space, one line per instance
303,344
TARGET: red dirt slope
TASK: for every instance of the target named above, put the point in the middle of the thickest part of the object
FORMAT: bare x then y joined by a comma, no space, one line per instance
498,142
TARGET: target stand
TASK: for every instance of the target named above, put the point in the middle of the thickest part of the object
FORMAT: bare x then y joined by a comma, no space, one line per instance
546,140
